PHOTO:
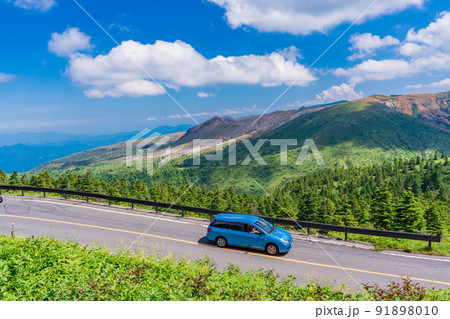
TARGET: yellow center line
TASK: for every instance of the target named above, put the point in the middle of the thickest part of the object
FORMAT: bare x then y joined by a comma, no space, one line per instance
230,249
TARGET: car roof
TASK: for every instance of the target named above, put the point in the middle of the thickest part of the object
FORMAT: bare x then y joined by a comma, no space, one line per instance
237,218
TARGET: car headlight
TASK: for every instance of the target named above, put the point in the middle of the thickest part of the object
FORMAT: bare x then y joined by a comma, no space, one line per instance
284,241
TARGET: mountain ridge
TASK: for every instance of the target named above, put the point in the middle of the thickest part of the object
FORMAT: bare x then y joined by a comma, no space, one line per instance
358,132
434,107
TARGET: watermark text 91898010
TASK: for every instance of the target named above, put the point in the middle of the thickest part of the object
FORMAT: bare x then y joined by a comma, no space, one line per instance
149,150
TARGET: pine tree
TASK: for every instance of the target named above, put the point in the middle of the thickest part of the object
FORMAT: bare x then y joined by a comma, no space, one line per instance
360,209
308,207
326,211
408,215
24,180
3,177
344,214
381,209
442,194
14,178
435,218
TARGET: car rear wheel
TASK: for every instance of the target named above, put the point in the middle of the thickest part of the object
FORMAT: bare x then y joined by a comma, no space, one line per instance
1,199
221,242
272,249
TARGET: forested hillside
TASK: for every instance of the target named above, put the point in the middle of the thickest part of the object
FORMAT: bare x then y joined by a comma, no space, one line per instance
357,133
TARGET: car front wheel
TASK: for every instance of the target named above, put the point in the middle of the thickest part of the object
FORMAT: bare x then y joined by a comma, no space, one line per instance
221,242
272,249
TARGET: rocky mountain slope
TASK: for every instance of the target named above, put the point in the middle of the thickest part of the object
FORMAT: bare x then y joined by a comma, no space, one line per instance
225,127
435,108
361,132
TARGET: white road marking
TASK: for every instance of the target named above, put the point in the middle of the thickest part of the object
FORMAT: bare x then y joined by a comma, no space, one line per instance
112,211
417,257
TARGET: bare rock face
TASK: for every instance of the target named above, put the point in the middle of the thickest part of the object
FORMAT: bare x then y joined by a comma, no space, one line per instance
226,128
435,108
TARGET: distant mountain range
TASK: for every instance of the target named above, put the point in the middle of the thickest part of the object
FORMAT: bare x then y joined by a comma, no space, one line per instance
24,151
326,104
360,132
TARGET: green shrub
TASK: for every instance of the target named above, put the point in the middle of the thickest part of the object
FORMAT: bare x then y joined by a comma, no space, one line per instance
48,269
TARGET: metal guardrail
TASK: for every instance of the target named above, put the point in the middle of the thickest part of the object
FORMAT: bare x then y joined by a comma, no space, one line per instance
212,212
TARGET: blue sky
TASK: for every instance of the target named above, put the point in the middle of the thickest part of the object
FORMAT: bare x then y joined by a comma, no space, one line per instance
59,71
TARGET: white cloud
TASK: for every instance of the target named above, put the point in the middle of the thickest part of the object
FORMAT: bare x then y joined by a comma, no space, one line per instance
119,26
228,112
69,42
151,119
377,70
181,116
435,35
425,50
6,77
224,112
441,84
366,44
409,49
133,88
291,53
253,108
176,64
305,16
205,94
41,5
335,93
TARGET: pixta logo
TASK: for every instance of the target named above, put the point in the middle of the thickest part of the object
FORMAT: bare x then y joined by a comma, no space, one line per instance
206,145
148,150
142,148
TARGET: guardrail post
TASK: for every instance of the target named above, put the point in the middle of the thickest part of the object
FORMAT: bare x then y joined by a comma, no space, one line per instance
109,202
429,242
309,232
346,235
65,195
182,213
132,205
22,192
87,199
45,194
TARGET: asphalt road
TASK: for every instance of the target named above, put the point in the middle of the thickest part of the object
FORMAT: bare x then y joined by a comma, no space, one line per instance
185,237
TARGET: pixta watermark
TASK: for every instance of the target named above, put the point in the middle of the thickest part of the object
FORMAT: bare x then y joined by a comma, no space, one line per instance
148,150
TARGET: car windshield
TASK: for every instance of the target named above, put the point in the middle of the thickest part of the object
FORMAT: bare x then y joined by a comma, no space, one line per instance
265,225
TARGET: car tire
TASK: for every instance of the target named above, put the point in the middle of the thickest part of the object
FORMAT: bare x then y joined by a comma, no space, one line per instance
221,242
1,200
272,249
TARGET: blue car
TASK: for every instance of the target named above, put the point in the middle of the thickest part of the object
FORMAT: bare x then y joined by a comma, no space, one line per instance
249,232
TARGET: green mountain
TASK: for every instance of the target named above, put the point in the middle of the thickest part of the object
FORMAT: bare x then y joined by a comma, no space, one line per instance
362,132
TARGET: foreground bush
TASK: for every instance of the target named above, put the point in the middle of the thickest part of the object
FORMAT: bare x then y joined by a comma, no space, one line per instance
48,269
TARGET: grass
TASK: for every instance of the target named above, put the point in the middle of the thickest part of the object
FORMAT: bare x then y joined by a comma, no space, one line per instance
48,269
405,245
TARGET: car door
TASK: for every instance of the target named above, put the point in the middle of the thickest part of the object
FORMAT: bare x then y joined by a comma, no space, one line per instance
236,234
254,240
219,228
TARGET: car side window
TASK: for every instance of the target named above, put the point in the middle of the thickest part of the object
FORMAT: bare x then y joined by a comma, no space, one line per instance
251,229
220,224
236,226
